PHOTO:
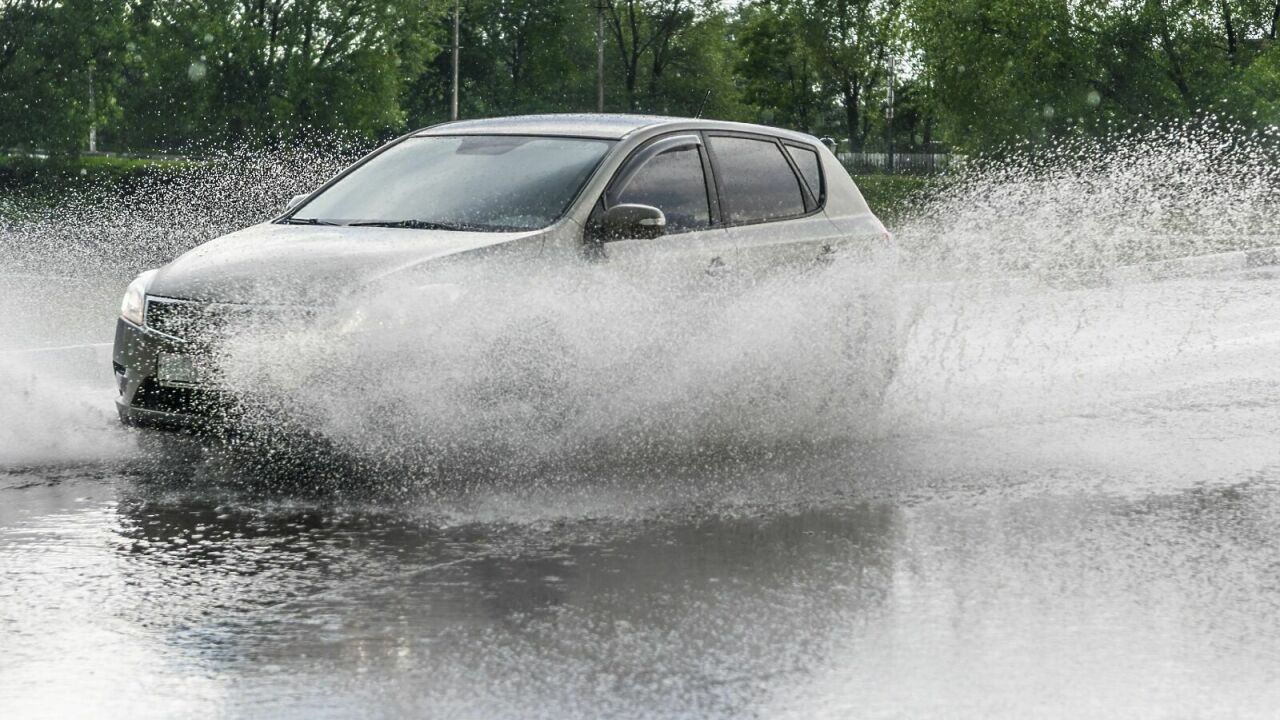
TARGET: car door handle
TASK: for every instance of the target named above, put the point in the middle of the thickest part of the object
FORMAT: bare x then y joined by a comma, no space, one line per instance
718,267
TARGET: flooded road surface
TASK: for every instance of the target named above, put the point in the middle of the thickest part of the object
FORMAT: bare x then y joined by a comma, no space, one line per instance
1069,507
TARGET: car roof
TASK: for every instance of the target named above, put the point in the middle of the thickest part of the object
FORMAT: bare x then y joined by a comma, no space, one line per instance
593,125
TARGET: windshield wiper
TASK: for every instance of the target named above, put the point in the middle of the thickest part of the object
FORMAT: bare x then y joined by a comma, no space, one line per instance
426,225
307,221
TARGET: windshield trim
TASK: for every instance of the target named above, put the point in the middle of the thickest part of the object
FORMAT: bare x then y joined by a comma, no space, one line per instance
611,146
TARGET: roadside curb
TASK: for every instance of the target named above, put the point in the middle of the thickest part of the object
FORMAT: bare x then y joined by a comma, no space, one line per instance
73,362
1184,267
1195,265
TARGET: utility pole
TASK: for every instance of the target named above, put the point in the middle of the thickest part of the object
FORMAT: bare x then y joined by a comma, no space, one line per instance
601,6
453,105
93,112
888,110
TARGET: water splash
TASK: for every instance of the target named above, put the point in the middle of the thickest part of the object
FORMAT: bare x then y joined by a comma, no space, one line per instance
55,412
587,370
119,230
1087,204
533,373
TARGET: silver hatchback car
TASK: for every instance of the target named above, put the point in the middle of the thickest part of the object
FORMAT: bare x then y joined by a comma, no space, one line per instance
693,197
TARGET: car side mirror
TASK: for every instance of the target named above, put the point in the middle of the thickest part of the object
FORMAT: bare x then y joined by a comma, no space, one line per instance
633,222
294,201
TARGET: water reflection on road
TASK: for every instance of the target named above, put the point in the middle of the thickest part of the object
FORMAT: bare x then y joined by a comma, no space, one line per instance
1072,510
152,602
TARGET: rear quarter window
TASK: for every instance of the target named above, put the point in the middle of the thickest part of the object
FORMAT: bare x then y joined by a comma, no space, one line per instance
807,160
756,181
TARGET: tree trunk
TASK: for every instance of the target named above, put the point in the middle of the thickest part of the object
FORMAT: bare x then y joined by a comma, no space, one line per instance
849,96
1176,73
1230,28
630,55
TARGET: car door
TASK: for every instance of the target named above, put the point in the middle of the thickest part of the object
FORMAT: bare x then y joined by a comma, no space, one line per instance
771,197
671,173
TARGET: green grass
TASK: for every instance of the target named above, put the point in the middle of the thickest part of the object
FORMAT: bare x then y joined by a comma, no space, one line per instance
48,179
894,197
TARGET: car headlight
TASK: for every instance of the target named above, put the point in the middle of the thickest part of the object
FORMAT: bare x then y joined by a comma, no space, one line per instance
134,305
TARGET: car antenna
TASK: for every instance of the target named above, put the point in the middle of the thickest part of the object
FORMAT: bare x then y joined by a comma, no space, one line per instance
703,106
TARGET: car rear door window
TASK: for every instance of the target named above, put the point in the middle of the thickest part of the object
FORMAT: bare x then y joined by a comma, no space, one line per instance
807,160
756,181
675,183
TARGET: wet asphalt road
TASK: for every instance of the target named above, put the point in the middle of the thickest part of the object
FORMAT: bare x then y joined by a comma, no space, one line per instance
1071,509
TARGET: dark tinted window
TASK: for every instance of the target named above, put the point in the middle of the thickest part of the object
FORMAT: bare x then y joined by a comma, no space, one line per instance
807,161
756,181
674,183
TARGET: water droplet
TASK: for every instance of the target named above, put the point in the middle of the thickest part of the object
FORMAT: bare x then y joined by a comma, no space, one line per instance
1048,112
197,71
1093,98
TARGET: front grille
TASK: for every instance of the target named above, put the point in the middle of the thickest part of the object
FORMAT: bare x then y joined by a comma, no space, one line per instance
208,322
152,396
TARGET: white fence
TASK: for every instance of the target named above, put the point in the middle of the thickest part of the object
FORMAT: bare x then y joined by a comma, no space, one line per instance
908,163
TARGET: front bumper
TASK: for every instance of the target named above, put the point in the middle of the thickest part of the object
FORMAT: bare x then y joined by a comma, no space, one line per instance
143,400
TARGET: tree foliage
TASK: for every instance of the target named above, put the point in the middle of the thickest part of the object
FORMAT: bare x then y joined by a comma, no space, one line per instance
53,56
972,74
1018,70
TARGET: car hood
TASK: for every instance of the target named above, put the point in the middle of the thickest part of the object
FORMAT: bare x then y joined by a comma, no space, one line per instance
307,264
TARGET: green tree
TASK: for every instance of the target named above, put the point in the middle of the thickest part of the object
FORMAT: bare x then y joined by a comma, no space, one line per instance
852,40
1033,70
1006,69
58,71
777,70
802,58
270,70
669,53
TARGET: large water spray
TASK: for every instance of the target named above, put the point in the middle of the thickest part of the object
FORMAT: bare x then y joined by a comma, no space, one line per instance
560,372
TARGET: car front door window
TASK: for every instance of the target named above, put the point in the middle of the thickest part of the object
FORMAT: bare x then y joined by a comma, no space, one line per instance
674,183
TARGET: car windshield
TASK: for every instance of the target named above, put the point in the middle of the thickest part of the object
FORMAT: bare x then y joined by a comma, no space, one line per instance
463,182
